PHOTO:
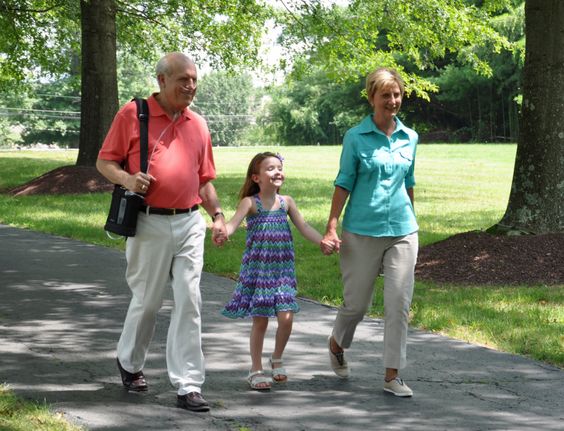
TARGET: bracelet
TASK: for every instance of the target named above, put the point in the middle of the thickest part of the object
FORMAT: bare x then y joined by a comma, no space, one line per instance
219,213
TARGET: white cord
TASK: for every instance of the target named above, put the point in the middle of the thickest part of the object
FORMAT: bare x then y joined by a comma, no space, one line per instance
175,117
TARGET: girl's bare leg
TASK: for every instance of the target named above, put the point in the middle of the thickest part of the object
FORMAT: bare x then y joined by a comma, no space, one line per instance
285,321
256,341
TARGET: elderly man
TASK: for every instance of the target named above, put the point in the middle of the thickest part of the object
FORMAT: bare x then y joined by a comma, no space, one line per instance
169,244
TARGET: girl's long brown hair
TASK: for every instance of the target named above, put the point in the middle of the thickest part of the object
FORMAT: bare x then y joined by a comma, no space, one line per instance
250,188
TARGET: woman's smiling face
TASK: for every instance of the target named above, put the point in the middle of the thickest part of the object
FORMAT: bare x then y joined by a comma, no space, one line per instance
387,100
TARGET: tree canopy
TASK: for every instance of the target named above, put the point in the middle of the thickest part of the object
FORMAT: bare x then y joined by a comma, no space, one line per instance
42,37
46,37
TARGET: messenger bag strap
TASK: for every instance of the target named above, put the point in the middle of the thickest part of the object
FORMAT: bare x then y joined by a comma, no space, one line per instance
143,115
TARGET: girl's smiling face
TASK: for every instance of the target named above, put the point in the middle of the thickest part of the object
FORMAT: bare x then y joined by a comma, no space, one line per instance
271,173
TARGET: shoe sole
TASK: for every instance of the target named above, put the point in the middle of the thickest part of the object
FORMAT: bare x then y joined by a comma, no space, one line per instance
396,394
198,410
135,389
193,408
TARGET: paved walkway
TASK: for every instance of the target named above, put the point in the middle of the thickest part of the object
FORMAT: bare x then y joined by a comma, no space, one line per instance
62,304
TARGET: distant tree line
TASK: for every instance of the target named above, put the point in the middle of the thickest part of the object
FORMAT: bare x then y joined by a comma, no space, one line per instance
308,109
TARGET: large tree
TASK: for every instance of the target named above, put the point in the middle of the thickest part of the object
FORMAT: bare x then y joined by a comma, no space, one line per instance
99,88
41,37
403,33
536,201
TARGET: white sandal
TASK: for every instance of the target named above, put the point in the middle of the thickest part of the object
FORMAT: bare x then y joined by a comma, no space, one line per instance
256,378
279,371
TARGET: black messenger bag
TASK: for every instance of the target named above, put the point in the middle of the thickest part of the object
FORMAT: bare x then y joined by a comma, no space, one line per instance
125,205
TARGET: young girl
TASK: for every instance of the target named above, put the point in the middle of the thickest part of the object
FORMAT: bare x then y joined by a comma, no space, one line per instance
267,280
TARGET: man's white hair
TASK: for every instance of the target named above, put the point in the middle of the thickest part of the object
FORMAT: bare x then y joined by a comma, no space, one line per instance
164,64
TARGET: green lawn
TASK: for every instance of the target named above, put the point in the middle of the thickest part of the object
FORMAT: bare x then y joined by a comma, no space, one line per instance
18,415
459,188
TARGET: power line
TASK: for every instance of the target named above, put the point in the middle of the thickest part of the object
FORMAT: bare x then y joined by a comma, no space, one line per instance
43,113
57,96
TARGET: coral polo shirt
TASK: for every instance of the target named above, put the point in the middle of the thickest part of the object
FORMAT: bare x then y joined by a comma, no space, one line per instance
180,153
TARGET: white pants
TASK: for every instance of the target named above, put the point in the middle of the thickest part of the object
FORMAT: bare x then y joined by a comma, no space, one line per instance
363,258
166,249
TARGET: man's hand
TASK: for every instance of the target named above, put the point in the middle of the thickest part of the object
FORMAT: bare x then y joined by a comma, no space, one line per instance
139,182
219,231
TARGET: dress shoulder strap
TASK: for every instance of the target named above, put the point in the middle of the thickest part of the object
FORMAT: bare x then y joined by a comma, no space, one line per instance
258,202
282,203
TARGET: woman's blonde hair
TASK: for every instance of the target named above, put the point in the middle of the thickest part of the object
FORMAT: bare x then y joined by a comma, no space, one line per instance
382,77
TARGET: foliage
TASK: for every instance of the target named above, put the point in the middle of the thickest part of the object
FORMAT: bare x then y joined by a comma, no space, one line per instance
37,38
48,112
350,40
41,37
136,77
54,116
314,110
469,52
227,102
219,32
484,108
418,37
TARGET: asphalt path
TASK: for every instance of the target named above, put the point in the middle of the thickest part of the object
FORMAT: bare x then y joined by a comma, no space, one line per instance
62,304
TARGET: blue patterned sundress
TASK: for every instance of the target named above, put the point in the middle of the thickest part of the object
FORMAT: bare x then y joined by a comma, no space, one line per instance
267,279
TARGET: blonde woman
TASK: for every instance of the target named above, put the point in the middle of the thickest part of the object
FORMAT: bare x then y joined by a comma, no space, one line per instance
379,229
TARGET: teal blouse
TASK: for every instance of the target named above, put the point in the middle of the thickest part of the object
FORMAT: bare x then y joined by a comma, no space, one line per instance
377,171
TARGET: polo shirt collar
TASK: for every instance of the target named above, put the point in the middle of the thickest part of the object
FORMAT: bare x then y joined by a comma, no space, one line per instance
368,126
155,108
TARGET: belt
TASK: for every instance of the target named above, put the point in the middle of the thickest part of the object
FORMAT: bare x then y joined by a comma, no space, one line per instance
166,211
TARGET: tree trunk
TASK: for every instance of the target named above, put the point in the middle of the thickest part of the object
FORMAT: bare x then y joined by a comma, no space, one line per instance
536,201
99,98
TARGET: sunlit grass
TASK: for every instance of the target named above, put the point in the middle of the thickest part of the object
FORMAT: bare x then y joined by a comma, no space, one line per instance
18,167
459,188
19,415
523,320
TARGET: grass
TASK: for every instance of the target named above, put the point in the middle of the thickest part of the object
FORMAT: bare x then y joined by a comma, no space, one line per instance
19,415
459,188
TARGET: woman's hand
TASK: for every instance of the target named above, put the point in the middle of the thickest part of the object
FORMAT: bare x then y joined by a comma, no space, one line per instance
330,243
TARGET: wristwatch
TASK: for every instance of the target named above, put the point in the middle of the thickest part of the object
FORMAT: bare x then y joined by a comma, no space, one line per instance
219,213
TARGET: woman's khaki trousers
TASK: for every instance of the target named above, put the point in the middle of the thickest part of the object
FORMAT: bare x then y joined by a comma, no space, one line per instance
362,259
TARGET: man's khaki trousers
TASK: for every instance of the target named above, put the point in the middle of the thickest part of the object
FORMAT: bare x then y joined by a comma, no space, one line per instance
166,250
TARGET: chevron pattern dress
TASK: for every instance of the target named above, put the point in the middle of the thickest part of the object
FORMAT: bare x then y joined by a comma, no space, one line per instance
267,279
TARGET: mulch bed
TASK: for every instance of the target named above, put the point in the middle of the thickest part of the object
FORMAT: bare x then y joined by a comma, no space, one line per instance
65,180
470,258
478,258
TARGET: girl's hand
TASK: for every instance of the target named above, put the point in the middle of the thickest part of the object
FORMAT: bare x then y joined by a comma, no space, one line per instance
219,232
330,243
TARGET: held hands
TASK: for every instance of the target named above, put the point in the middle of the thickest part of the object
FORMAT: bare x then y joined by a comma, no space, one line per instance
330,243
219,231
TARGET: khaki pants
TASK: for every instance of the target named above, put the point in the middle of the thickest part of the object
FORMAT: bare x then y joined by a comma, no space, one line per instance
166,250
363,258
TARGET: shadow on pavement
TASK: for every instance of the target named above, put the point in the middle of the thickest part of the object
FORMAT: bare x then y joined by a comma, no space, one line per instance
61,310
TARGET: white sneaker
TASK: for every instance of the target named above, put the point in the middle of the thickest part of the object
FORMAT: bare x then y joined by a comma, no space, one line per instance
398,388
338,362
